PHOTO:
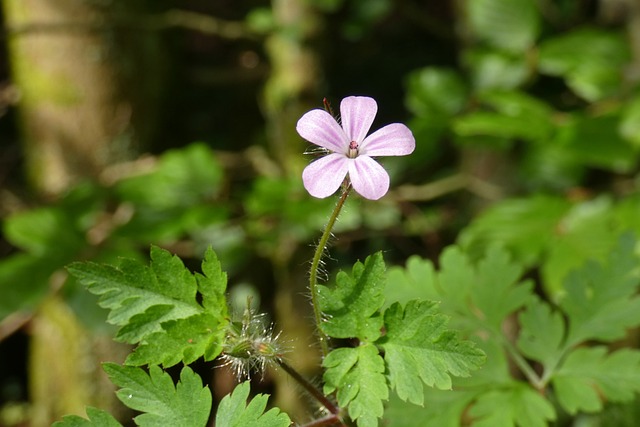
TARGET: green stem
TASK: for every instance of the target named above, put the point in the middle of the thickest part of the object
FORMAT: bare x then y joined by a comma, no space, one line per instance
524,366
315,266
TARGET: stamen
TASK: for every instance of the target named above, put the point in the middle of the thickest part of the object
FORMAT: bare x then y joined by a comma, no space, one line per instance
353,150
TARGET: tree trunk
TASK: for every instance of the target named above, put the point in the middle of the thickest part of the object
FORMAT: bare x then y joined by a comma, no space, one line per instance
84,104
78,76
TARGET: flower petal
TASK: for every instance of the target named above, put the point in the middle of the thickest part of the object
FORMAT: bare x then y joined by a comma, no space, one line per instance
368,178
392,140
323,176
357,114
320,128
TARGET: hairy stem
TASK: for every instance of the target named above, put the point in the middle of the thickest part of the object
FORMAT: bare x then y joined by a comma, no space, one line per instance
310,388
315,266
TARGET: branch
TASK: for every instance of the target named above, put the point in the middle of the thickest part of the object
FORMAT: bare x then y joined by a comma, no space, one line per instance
174,18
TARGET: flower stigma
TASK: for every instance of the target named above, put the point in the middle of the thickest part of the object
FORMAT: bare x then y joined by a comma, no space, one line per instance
353,150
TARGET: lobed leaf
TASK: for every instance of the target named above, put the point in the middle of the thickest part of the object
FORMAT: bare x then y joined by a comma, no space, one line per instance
174,314
601,299
187,403
542,332
357,374
589,376
181,340
496,292
352,305
518,405
419,349
234,411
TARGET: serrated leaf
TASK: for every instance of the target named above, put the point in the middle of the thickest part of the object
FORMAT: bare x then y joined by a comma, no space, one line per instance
357,374
518,405
507,24
97,418
352,305
234,411
601,300
542,332
187,403
418,348
497,292
182,340
158,306
213,284
590,375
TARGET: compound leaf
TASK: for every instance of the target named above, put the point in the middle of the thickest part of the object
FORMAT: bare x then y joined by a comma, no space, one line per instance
418,348
186,404
358,376
352,305
235,412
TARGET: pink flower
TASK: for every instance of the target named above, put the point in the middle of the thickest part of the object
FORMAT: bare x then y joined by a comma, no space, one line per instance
351,149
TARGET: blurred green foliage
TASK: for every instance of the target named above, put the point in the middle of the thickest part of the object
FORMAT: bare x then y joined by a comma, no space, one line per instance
534,105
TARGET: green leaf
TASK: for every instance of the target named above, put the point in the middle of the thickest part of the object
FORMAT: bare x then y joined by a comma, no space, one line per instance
418,348
506,24
358,376
24,282
497,292
442,409
352,305
435,91
417,280
97,418
591,61
542,332
518,405
601,301
514,115
181,178
43,230
187,403
524,226
590,375
182,340
494,69
595,140
629,127
233,411
158,306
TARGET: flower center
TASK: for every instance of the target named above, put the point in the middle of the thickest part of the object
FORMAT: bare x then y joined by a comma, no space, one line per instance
353,150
